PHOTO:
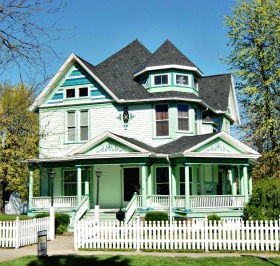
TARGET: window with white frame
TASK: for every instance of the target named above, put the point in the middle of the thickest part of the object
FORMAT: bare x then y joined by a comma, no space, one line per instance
162,180
183,117
77,125
162,120
161,80
195,83
182,80
79,92
182,180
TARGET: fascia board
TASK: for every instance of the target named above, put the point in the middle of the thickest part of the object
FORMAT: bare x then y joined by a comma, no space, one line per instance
235,105
51,84
168,67
221,155
111,155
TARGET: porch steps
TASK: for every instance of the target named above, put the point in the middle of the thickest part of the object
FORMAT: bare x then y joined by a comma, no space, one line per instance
104,214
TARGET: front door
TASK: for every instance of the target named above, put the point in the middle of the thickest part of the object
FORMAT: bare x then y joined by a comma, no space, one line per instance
131,183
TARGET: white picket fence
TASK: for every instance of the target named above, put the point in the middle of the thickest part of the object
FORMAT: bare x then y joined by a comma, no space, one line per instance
15,234
199,235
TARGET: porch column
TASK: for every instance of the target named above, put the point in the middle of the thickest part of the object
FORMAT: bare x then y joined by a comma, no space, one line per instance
234,187
87,185
187,188
250,183
144,185
173,184
245,182
79,184
30,188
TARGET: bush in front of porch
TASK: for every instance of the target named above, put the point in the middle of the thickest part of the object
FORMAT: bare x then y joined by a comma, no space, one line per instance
156,216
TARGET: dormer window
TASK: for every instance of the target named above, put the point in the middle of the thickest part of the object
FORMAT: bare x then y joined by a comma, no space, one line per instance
161,80
182,80
83,92
70,93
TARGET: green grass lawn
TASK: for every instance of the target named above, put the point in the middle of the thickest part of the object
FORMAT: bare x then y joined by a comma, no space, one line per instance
12,217
134,260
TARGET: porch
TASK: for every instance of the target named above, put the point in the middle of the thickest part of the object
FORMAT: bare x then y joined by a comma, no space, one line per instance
230,205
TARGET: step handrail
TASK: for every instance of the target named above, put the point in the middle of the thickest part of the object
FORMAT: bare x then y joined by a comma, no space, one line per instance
82,208
130,208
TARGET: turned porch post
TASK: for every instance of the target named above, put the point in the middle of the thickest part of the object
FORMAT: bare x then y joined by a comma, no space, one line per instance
234,186
79,184
30,188
144,185
187,188
245,182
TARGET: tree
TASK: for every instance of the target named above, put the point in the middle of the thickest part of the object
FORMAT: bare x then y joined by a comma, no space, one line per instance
18,138
265,201
25,39
254,32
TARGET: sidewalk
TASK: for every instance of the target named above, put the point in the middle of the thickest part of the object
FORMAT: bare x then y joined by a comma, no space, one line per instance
64,245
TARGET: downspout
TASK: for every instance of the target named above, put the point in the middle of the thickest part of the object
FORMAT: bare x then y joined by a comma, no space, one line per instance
170,189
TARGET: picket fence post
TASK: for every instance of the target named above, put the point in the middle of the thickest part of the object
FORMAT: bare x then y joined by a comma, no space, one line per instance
52,223
138,233
17,233
206,234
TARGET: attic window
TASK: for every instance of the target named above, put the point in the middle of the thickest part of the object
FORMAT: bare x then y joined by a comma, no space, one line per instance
160,80
83,92
182,80
70,93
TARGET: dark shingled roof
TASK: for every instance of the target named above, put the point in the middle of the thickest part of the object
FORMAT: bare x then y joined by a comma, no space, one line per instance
214,90
137,143
183,143
117,73
167,54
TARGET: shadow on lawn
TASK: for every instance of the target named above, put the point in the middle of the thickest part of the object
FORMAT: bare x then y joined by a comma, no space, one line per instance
261,258
79,260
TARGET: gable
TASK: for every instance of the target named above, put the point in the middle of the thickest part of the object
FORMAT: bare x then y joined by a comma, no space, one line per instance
218,146
75,79
109,146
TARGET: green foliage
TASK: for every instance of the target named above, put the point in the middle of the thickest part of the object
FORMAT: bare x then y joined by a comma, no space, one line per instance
18,139
62,221
42,215
253,30
213,217
265,201
156,216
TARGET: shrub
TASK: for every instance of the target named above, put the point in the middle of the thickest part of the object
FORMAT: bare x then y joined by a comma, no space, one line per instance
156,216
41,215
265,201
213,217
62,221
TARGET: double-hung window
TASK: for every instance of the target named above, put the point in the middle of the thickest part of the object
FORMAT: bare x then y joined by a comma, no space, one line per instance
161,80
71,126
77,125
183,117
162,120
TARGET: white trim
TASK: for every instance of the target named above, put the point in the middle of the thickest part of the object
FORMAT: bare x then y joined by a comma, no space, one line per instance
231,140
161,85
152,68
77,90
105,135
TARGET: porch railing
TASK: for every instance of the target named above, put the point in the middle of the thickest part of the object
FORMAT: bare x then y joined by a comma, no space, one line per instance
58,202
131,207
155,202
212,201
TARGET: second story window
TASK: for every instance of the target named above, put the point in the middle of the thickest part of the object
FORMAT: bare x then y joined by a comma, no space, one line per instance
77,126
75,93
182,80
183,117
161,80
162,120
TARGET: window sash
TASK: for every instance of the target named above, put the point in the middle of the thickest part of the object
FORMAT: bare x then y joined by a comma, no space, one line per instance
183,117
71,128
162,120
182,80
162,180
160,80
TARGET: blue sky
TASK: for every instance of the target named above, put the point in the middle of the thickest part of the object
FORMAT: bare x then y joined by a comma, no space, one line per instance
96,29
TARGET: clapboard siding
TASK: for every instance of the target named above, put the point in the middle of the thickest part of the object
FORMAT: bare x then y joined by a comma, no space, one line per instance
103,117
